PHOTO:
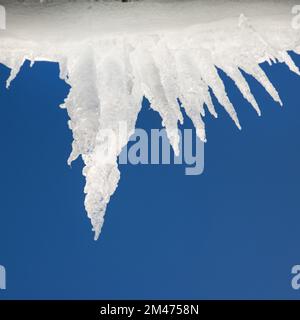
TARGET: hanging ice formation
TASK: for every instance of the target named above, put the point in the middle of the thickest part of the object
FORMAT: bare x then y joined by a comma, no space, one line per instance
113,53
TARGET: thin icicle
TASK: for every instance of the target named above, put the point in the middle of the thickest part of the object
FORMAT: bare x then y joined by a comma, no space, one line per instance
261,77
235,74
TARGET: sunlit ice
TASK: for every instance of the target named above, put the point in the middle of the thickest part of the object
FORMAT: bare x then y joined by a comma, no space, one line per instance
114,53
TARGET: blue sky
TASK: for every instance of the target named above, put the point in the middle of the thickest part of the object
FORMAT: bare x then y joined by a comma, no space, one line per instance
232,232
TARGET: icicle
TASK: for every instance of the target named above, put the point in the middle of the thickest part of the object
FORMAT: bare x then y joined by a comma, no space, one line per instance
15,66
82,102
235,74
152,87
261,77
210,76
285,57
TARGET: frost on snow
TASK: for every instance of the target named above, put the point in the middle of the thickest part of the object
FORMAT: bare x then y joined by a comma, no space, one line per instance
113,53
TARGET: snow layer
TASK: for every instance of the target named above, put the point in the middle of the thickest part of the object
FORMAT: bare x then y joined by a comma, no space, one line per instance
112,54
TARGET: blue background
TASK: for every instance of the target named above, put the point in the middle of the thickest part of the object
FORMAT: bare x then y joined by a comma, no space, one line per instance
232,232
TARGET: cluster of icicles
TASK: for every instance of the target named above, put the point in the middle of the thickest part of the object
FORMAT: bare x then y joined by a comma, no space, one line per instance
110,76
